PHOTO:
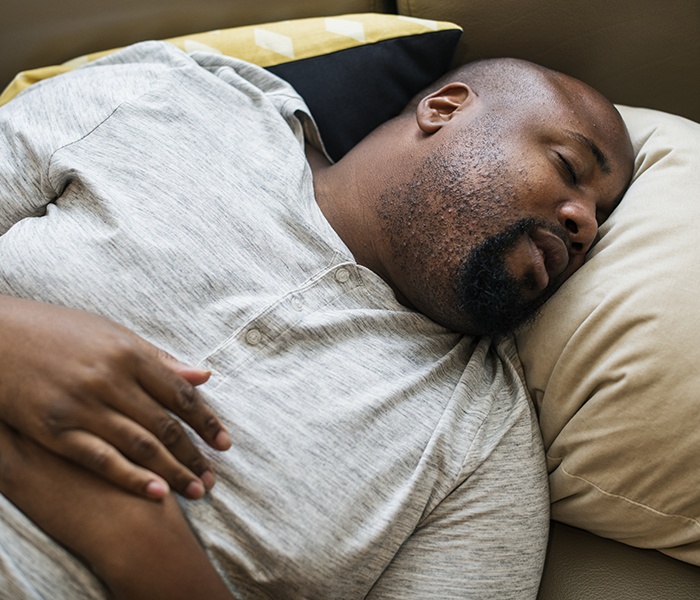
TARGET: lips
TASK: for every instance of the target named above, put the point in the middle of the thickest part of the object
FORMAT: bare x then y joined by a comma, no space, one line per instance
550,256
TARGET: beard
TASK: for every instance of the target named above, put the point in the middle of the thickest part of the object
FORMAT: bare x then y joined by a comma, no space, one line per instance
488,293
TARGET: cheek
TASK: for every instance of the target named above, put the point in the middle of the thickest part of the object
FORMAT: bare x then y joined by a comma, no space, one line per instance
533,193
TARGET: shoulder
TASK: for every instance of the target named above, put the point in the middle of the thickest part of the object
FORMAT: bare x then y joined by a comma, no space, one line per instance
62,109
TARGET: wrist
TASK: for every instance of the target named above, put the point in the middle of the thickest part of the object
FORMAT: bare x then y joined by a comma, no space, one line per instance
157,557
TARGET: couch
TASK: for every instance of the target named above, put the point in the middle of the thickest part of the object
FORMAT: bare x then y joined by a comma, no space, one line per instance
640,54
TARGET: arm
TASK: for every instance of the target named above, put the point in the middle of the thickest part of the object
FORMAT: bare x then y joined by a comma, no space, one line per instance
140,549
81,385
95,393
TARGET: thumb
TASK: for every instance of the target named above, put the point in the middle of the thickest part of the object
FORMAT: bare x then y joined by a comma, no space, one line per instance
193,375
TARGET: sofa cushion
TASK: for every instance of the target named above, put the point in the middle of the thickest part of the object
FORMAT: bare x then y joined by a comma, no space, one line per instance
354,71
613,362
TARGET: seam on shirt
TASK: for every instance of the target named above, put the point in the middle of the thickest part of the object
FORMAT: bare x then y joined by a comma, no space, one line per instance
93,130
164,71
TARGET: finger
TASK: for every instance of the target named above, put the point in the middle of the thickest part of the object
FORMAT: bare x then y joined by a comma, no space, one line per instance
161,445
103,459
146,432
139,428
194,375
182,399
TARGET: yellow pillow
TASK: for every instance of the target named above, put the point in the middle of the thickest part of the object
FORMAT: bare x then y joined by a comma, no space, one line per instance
269,43
614,361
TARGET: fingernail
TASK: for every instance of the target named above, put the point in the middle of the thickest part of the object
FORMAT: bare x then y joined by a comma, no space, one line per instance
194,491
205,373
207,479
222,440
157,489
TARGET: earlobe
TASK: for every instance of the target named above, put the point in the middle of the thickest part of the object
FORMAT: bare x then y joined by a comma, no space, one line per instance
436,109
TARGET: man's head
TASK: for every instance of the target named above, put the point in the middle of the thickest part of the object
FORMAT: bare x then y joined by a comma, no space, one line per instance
488,191
523,166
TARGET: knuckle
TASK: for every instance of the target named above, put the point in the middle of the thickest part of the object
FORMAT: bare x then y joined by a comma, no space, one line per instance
95,380
211,426
170,432
186,397
198,465
121,346
56,420
97,459
96,376
162,355
143,447
120,352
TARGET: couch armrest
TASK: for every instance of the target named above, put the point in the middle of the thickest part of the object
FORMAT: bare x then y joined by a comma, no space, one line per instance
37,33
583,566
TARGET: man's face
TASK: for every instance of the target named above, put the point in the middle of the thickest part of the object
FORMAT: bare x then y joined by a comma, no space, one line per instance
504,211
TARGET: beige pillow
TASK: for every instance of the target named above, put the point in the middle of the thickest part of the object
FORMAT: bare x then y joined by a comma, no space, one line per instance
614,362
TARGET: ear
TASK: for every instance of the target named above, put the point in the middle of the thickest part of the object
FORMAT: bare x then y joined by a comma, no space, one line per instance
438,108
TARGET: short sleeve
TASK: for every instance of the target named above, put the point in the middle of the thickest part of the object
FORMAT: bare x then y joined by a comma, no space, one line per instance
61,111
487,539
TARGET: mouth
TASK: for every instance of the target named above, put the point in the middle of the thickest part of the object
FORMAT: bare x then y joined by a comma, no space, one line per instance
550,256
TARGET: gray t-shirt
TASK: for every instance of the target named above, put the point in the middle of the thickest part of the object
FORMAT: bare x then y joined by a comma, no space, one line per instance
375,454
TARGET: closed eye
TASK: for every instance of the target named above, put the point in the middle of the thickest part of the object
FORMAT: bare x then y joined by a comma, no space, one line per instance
568,169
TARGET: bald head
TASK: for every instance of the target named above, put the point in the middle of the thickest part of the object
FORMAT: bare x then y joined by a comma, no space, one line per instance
497,78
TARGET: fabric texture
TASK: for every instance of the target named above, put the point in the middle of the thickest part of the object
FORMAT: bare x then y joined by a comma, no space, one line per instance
613,361
354,71
376,454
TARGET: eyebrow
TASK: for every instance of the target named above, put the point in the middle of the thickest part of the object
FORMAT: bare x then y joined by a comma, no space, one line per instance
597,153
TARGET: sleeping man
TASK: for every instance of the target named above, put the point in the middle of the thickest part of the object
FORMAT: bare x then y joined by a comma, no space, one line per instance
353,377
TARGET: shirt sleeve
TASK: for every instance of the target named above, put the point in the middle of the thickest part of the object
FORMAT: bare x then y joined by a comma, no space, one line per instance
487,539
23,160
62,110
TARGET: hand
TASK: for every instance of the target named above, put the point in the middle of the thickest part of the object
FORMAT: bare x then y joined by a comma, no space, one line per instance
139,549
94,392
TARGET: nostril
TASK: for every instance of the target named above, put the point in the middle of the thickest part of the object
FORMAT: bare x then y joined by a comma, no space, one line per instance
577,246
571,226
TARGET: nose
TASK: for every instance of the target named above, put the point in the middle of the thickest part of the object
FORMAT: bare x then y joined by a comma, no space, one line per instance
578,217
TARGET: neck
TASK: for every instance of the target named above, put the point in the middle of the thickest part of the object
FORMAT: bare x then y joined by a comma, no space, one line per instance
349,192
346,200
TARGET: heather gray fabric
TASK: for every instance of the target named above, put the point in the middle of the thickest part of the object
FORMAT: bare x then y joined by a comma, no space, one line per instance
375,454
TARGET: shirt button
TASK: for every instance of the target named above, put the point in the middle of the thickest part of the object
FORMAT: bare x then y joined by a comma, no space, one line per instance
342,275
253,337
296,304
